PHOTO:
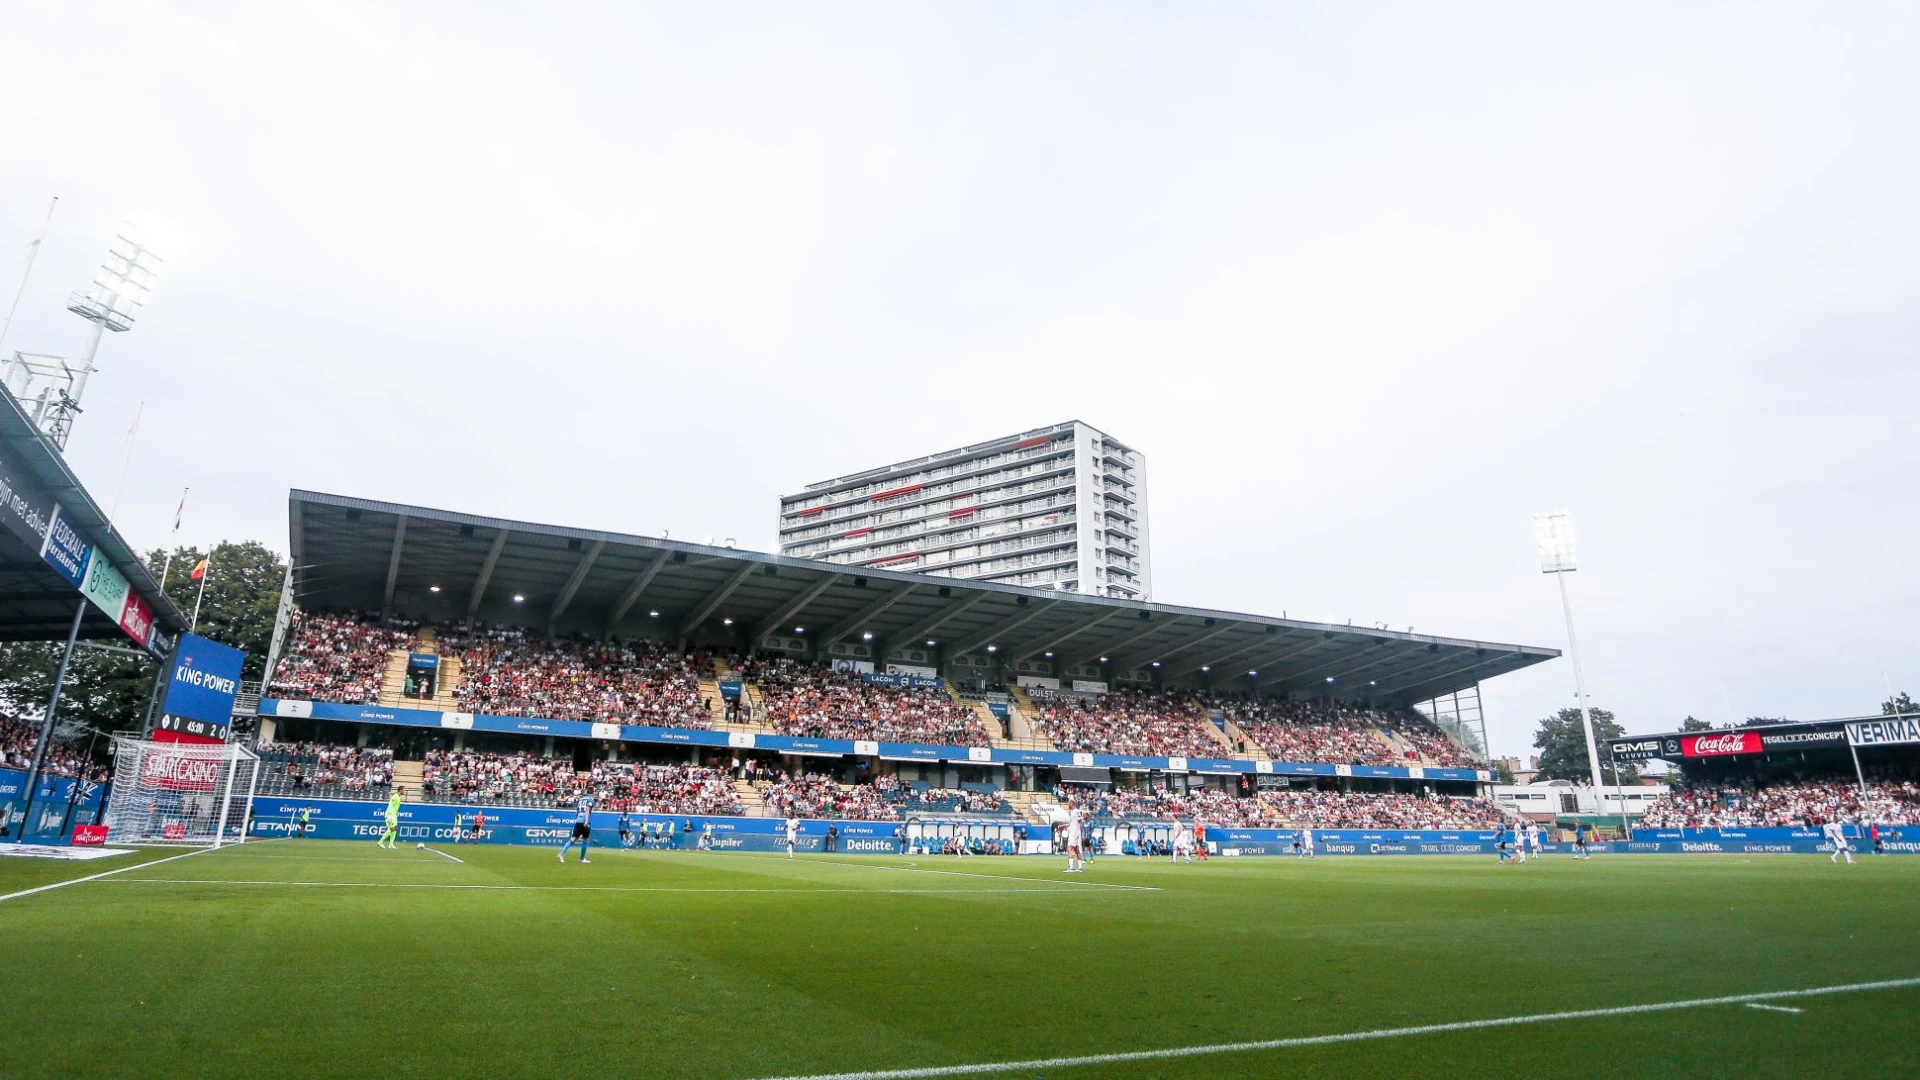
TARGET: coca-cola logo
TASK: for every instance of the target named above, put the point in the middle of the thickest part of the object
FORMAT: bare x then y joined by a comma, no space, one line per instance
1730,742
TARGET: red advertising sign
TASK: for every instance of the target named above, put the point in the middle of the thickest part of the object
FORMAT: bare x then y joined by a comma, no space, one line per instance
1720,743
89,835
137,619
178,772
173,831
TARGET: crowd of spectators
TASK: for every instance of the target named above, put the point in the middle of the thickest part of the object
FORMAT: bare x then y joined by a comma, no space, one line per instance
1325,731
1373,810
1210,805
527,780
336,657
64,758
814,701
317,768
509,673
1139,722
818,796
1807,804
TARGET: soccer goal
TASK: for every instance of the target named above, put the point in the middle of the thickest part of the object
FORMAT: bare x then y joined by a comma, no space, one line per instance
180,793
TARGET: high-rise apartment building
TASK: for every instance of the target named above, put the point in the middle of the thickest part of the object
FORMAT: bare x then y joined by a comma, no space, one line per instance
1062,507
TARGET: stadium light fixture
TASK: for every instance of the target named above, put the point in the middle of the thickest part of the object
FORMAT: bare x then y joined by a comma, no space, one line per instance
931,643
653,614
1373,682
993,648
1329,678
1206,667
433,588
799,629
726,622
1253,674
518,599
1049,654
1553,535
866,636
1156,663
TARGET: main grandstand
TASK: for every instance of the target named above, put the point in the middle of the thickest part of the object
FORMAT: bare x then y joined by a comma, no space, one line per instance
480,661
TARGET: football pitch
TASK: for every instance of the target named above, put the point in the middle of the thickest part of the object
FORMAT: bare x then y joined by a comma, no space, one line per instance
310,958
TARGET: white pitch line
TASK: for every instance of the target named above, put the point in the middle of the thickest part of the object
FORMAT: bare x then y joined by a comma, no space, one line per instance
1349,1037
1774,1008
97,877
444,855
817,861
566,888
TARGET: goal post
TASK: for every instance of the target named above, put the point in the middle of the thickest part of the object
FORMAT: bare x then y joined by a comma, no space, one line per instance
180,793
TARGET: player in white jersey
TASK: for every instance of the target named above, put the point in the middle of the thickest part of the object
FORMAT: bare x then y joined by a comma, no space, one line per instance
1076,839
1533,840
1182,842
582,829
1836,834
1306,843
793,834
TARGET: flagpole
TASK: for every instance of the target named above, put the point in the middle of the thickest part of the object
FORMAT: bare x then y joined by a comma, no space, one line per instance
173,539
204,575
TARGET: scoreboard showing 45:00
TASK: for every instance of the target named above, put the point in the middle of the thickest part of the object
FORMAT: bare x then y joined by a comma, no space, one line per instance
201,688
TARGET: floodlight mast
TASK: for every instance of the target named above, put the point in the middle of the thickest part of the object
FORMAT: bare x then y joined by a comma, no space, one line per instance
1553,532
112,302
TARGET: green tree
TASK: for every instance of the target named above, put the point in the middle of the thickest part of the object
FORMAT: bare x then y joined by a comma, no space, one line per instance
1899,705
1563,746
1691,724
1501,773
108,690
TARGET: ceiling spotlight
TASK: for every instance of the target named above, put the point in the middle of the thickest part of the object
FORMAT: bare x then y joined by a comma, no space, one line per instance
518,599
1049,656
653,614
799,629
1329,678
1156,663
726,622
1373,682
1206,667
433,588
993,648
931,643
1253,674
867,636
1103,659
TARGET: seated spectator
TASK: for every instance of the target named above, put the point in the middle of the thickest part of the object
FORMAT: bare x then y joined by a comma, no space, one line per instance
1138,722
1785,804
817,702
329,657
18,738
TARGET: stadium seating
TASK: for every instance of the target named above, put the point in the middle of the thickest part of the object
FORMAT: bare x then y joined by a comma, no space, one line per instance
509,673
814,701
887,798
528,780
1725,806
1134,722
336,657
318,771
64,758
1370,810
1319,731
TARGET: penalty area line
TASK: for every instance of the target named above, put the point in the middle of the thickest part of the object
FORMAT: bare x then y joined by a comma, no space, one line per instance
444,855
1349,1037
107,874
817,861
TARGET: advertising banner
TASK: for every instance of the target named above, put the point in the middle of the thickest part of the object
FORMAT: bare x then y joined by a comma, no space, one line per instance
1720,744
66,550
1806,739
1893,731
89,835
25,508
179,772
1635,749
904,681
201,688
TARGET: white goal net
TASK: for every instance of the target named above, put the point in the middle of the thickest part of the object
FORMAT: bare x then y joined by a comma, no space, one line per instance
180,793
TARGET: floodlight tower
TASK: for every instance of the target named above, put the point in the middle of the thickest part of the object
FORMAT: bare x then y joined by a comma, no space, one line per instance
119,288
1553,532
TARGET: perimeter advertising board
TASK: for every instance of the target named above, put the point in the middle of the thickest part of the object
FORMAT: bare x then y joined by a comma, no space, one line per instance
1893,731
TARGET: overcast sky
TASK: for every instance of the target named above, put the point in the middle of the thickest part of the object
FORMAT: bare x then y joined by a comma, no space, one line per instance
1368,284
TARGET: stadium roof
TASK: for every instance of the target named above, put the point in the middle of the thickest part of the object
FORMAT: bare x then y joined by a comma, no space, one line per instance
36,601
437,565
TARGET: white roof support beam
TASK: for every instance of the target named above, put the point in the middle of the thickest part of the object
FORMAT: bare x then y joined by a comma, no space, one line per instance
715,598
989,636
796,606
638,586
572,586
486,573
863,618
393,564
1029,651
918,631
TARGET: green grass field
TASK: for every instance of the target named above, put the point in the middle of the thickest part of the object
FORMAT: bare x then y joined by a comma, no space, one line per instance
335,959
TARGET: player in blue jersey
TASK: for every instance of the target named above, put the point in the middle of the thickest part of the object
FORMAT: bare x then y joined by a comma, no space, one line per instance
582,830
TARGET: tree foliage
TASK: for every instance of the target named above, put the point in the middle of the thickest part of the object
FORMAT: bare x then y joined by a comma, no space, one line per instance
1563,746
1899,705
109,690
1693,724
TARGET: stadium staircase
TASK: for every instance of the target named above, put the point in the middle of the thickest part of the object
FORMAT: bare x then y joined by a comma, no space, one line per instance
1227,748
1035,807
411,775
1235,737
393,680
750,798
1023,738
1400,747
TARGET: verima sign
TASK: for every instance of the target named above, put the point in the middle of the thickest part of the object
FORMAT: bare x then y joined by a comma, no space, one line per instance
201,689
1899,730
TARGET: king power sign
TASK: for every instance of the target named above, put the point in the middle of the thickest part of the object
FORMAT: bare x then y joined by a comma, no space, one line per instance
201,689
